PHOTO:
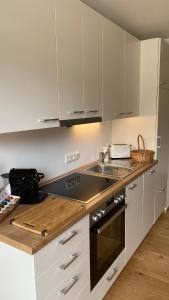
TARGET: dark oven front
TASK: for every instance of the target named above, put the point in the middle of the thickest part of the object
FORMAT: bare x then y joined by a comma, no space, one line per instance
107,237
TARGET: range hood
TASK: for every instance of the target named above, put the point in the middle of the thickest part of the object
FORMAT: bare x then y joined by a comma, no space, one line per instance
71,122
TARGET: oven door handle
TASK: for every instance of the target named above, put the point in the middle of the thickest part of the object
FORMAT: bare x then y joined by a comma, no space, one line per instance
102,228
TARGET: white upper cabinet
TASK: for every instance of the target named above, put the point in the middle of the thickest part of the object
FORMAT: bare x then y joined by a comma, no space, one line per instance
131,75
92,61
113,69
149,76
28,75
69,57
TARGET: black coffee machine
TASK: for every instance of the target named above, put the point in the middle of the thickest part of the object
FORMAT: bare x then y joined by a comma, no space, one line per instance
25,183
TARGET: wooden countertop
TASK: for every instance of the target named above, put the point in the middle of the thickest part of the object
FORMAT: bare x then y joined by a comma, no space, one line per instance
31,242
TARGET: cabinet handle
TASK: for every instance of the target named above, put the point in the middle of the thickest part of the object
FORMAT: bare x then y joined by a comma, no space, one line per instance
128,113
73,258
162,190
64,241
92,111
163,82
158,142
151,172
65,290
132,187
118,114
109,278
48,120
76,112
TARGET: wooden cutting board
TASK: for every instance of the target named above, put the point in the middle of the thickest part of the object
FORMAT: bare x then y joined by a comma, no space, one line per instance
49,216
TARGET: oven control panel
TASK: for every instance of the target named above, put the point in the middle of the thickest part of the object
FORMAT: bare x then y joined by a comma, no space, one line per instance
106,207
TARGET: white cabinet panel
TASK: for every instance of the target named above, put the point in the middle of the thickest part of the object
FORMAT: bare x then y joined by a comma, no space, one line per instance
62,268
92,60
56,248
75,282
113,70
134,197
131,76
69,56
148,200
149,76
28,77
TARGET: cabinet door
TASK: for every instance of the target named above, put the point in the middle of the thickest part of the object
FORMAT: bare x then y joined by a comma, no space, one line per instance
131,75
134,193
28,76
92,60
113,65
164,65
149,76
148,200
69,55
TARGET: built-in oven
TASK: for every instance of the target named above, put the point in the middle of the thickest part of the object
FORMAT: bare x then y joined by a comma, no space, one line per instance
107,235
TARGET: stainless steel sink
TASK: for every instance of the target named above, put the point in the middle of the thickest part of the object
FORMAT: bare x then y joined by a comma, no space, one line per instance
114,171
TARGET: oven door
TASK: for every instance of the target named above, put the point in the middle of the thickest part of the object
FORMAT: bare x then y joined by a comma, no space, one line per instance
107,241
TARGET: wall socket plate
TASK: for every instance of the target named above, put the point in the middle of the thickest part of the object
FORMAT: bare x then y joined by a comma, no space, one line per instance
71,157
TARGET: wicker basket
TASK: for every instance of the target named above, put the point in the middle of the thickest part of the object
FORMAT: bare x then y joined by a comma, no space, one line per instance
142,155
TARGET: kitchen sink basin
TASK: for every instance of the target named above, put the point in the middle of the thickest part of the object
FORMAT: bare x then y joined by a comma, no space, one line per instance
114,171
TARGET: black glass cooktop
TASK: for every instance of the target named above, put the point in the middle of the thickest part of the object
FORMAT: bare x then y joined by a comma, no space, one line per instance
77,186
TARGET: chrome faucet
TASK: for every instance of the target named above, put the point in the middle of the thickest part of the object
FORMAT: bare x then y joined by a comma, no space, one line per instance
103,154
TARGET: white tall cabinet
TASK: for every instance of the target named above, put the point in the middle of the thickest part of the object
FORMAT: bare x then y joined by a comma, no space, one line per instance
28,74
154,100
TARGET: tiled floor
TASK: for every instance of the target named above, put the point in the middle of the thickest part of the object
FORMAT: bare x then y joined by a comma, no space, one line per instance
146,276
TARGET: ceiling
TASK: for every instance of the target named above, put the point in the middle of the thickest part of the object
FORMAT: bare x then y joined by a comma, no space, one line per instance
143,18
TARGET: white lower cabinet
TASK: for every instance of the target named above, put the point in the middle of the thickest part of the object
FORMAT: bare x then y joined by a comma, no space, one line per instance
134,193
75,282
108,278
148,200
62,268
160,192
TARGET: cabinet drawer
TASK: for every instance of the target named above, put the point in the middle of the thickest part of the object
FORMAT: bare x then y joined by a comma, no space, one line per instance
51,253
62,268
108,278
75,282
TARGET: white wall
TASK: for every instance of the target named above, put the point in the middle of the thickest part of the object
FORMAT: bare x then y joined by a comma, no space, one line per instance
126,131
45,149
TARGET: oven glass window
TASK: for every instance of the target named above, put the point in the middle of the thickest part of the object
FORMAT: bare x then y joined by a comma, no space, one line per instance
106,243
110,242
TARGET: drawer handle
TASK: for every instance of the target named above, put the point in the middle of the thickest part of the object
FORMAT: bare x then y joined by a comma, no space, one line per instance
132,187
76,112
68,288
48,120
128,113
151,172
162,190
64,241
92,111
109,278
163,82
73,258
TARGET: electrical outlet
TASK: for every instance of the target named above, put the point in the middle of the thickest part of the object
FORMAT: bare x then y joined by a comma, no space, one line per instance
71,157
